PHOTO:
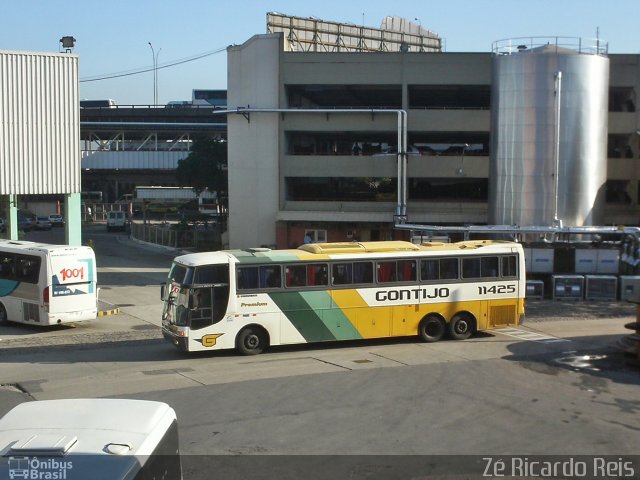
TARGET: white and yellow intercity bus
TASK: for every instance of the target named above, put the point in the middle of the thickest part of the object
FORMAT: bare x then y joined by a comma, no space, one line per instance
42,284
251,299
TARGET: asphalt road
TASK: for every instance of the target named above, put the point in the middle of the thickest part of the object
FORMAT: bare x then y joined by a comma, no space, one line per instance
389,409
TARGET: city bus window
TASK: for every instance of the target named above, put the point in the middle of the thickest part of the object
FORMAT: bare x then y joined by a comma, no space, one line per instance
247,278
211,274
270,276
386,272
406,270
296,275
429,270
317,274
342,273
363,272
509,266
489,267
470,268
178,274
7,266
448,269
27,269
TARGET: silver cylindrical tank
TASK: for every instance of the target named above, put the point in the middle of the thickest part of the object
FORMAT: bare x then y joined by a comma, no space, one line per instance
548,133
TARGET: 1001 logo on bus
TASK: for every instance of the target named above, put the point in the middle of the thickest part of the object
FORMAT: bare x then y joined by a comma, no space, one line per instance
72,273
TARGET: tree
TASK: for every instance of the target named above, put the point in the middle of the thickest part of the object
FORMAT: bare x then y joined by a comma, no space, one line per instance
205,167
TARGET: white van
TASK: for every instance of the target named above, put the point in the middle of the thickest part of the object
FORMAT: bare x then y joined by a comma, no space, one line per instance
116,220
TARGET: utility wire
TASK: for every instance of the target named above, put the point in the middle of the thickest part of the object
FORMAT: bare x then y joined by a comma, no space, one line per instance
151,69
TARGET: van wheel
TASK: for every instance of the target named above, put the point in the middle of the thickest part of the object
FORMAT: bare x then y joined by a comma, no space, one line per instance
461,326
432,328
4,320
251,341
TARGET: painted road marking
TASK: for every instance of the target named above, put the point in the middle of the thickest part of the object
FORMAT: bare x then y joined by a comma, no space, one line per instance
529,336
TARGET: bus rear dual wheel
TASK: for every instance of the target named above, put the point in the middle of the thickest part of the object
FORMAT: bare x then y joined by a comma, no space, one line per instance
433,327
252,340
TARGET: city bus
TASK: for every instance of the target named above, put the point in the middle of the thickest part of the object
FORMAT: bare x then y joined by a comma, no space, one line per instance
252,299
90,438
209,98
42,284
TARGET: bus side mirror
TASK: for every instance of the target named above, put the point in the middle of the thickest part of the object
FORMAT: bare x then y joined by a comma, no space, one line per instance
162,286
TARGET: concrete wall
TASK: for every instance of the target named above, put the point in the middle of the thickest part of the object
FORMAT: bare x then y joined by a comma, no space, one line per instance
253,71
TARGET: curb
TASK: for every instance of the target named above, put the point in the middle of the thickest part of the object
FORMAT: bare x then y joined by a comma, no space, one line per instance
104,313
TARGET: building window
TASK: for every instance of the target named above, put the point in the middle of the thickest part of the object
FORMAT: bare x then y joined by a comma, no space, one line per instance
315,236
616,192
340,189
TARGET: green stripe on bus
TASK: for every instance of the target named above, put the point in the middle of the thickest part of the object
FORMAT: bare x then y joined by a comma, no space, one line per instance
314,316
302,316
332,317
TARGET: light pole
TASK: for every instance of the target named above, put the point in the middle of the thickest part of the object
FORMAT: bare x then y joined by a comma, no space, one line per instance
154,56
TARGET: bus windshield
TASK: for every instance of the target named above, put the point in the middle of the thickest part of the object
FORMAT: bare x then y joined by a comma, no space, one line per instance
196,297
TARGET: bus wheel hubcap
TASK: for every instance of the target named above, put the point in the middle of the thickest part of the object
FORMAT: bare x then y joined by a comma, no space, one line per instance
253,341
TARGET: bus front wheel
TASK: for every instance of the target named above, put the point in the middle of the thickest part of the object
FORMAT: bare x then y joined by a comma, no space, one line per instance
432,328
251,341
4,319
461,326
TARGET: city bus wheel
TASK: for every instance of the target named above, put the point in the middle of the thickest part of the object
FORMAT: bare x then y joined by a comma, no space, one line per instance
432,328
461,326
251,341
4,320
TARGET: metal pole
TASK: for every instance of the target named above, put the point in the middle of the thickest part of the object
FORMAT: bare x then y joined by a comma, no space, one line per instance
556,220
153,58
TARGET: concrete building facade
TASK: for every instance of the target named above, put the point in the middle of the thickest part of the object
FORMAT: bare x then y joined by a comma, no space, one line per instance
333,176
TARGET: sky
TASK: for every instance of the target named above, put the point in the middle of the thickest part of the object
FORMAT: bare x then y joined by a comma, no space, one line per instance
112,37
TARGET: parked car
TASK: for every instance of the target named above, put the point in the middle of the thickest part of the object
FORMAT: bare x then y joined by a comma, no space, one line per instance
56,220
42,223
25,223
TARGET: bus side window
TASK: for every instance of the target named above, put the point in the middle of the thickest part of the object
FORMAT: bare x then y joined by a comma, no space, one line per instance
489,267
429,270
406,270
317,274
342,273
448,269
470,268
7,266
363,272
509,266
28,269
296,275
270,276
247,278
386,272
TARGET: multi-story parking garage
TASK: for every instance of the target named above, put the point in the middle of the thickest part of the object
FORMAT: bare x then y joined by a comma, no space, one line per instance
334,175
